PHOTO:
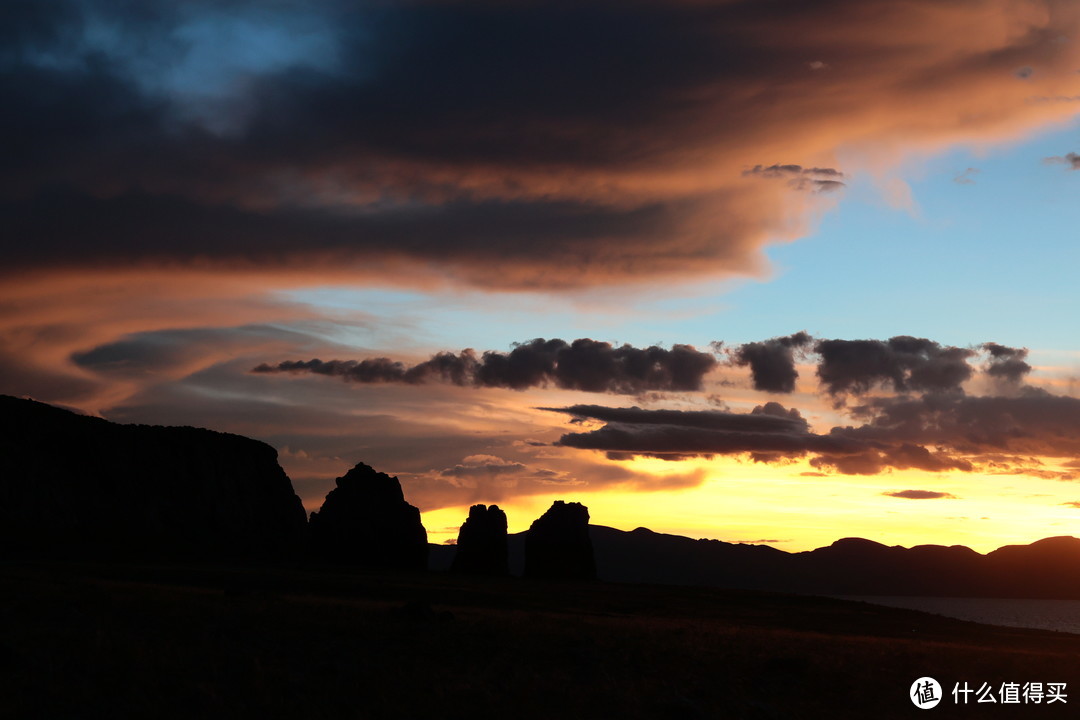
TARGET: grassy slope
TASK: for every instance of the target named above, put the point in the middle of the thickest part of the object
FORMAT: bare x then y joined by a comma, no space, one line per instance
110,641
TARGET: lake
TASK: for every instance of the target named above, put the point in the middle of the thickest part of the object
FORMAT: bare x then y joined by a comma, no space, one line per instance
1060,615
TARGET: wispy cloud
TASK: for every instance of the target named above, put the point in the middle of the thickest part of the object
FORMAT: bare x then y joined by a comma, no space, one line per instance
920,495
967,177
1070,159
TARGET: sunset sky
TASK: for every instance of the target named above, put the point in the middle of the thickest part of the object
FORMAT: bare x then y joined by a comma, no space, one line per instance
758,270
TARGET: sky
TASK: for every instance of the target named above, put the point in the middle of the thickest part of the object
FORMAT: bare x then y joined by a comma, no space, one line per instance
766,271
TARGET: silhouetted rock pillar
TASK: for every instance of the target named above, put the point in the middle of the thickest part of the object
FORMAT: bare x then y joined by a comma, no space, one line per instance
558,546
482,543
366,521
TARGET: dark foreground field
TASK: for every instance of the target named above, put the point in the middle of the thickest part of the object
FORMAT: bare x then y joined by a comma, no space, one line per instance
183,642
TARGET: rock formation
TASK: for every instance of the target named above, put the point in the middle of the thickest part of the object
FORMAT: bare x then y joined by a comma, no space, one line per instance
558,546
365,521
482,543
76,486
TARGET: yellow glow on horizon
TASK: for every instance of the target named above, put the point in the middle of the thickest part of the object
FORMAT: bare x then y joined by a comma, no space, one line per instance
741,501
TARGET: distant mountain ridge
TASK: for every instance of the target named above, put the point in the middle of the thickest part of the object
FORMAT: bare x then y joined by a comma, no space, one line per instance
1048,568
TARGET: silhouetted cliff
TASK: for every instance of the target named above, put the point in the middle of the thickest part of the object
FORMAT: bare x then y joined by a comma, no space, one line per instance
482,543
557,545
77,486
365,521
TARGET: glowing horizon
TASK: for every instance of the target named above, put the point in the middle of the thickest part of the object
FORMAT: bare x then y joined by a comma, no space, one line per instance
826,252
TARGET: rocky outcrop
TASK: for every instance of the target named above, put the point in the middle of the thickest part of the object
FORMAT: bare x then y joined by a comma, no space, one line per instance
77,486
557,545
365,521
482,543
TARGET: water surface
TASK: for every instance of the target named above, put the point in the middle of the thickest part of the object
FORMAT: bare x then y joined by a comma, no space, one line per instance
1060,615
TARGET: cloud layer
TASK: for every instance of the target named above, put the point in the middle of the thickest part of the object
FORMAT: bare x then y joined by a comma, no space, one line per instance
772,362
934,433
501,144
921,495
584,364
902,364
907,395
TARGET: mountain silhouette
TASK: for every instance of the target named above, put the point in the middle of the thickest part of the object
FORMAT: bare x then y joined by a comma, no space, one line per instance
1048,568
851,566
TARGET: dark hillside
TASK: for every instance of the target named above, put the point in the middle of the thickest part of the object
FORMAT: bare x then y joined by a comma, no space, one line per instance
72,485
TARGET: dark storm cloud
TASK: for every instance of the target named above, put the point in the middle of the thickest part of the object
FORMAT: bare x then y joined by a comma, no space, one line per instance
503,144
772,417
879,455
584,364
999,434
769,428
916,457
772,362
934,433
407,140
920,495
79,228
1034,422
678,435
372,370
660,440
903,363
1007,363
